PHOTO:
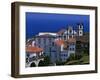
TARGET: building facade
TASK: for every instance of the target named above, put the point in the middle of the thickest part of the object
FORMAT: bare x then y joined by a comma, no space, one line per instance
33,56
59,46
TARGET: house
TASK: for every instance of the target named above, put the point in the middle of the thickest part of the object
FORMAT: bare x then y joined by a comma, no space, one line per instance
60,34
71,45
45,42
33,55
62,54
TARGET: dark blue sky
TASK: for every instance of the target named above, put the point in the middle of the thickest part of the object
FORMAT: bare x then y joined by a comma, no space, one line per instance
47,22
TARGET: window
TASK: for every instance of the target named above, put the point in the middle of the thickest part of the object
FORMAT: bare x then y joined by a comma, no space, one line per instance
65,55
52,43
39,46
27,55
64,37
70,48
39,40
80,26
70,36
27,60
73,49
70,31
50,39
44,40
62,55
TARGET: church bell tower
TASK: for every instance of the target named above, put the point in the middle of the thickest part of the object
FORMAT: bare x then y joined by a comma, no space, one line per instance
80,29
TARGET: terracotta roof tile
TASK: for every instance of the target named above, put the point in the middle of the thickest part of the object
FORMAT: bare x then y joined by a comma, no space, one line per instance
71,40
84,38
59,42
31,49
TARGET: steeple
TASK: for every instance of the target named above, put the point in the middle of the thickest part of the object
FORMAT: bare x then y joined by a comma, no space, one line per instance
80,29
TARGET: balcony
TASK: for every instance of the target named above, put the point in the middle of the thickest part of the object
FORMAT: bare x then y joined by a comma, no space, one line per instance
35,58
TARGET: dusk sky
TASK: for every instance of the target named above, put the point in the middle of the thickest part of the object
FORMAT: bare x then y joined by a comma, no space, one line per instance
47,22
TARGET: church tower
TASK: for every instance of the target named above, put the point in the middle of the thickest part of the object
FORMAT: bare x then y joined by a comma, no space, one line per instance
80,29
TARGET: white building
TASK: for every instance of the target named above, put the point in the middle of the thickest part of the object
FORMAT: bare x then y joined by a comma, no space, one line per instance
45,42
33,55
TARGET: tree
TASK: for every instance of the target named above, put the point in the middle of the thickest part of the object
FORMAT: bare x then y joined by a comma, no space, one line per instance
60,63
46,61
72,57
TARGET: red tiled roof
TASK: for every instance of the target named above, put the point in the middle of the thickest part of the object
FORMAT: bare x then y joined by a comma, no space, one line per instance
59,42
31,49
84,38
70,40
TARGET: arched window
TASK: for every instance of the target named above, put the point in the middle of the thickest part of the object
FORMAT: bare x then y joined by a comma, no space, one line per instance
27,60
41,63
33,65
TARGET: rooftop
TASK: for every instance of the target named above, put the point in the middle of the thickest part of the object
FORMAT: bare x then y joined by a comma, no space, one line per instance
61,31
59,42
84,38
32,49
45,36
71,40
